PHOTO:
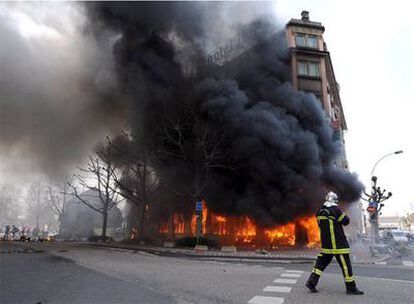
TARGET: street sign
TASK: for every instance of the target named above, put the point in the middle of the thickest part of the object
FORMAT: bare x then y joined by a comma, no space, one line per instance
199,206
371,209
199,212
373,204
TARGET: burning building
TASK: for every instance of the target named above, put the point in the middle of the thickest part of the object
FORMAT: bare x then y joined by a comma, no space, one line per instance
254,130
309,68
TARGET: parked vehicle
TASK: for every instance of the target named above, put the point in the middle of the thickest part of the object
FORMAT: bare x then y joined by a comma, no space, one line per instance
400,236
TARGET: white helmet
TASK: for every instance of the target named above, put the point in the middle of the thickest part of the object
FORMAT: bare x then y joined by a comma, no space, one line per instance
331,199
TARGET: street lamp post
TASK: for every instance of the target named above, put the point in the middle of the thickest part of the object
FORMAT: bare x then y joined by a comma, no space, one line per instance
381,158
375,199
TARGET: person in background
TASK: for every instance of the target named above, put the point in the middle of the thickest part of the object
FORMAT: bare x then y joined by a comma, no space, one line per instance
6,232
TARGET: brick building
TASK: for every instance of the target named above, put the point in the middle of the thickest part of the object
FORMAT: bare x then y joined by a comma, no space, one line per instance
308,67
312,70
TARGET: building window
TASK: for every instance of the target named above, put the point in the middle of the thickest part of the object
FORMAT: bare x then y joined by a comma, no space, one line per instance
308,68
302,67
300,40
313,69
312,41
303,40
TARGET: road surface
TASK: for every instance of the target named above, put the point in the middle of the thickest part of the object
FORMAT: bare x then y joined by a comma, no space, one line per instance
65,273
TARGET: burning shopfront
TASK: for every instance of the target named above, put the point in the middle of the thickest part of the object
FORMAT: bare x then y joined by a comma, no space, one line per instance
251,136
242,231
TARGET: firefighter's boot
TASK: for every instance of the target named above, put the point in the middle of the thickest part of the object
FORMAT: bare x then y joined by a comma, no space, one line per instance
312,282
351,289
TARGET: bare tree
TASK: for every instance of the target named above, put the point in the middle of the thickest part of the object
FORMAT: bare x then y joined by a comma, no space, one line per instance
36,206
187,136
98,176
407,221
137,179
35,200
9,199
57,199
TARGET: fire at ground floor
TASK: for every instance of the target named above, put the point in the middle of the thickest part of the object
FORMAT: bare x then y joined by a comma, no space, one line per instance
240,231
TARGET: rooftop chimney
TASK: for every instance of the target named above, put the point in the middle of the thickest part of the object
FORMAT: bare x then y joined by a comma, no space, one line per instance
305,16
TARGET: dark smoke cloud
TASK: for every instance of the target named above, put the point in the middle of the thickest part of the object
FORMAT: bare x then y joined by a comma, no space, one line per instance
277,141
56,88
131,60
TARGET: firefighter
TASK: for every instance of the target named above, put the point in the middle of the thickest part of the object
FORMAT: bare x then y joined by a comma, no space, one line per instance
334,244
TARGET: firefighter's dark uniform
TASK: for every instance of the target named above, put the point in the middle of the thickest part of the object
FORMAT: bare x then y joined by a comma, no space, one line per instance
333,243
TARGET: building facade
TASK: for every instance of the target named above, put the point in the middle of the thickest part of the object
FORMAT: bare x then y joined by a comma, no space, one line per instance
309,68
312,71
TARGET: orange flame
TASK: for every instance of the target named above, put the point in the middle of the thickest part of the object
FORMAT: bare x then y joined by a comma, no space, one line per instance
243,228
282,235
246,230
179,223
312,229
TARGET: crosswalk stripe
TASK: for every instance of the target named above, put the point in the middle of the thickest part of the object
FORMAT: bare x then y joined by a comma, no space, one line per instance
291,275
286,281
285,289
295,271
266,300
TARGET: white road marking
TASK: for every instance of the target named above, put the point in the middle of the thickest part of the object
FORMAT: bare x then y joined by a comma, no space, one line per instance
295,271
291,275
380,263
256,266
286,281
284,289
266,300
408,263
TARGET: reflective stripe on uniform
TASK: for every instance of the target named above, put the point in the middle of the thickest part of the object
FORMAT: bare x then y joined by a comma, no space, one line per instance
321,217
331,229
320,254
345,267
317,271
336,251
341,217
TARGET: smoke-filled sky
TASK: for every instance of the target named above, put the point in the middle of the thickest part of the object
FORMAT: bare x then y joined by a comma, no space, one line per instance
56,98
59,76
57,81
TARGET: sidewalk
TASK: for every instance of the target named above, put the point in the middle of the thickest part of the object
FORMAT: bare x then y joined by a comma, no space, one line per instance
360,255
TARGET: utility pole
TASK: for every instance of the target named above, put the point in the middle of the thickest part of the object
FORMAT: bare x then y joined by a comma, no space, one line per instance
375,201
38,207
199,225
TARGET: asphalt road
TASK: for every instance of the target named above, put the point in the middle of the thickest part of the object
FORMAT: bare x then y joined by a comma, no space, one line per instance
28,276
65,273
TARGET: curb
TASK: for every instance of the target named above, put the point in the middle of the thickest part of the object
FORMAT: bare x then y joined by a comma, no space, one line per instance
176,253
379,261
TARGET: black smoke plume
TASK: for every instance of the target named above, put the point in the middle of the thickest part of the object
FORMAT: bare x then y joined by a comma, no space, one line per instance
238,135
